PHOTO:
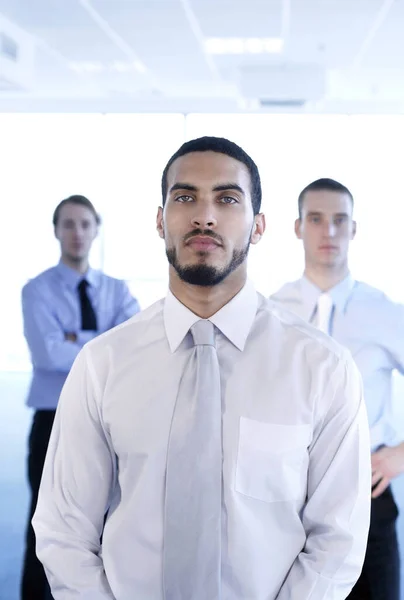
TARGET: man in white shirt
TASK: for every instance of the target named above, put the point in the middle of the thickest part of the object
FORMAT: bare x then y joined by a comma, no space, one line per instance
371,326
225,439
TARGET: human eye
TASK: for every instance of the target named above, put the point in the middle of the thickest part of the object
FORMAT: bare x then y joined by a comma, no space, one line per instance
339,220
228,200
183,198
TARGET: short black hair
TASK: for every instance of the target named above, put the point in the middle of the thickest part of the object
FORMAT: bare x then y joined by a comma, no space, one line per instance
221,146
76,199
330,185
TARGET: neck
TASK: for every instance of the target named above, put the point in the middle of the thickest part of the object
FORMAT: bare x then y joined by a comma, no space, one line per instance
80,265
206,301
325,277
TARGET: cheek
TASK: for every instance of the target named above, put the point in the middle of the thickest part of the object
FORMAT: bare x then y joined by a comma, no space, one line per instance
310,238
174,228
344,235
236,231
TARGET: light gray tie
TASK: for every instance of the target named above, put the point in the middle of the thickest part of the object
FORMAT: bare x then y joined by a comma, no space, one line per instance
324,310
192,527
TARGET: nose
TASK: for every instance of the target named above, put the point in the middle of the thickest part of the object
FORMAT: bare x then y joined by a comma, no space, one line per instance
78,231
204,218
330,229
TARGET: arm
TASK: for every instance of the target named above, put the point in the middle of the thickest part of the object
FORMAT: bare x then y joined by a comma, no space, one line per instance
388,462
75,491
128,306
393,334
49,348
336,515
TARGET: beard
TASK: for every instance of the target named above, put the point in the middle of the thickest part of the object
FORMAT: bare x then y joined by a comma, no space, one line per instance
206,275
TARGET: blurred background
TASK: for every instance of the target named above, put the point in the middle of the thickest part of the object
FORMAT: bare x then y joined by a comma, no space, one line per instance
96,95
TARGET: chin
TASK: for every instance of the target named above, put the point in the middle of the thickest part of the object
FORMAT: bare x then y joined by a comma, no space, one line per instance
330,264
204,261
76,257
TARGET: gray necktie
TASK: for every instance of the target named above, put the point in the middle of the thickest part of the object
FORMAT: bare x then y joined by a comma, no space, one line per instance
324,310
192,528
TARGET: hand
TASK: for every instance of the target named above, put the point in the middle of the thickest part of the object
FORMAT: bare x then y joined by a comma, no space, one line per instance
71,337
387,463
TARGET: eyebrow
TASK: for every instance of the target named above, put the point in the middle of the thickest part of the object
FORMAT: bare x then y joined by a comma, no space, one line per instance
224,187
183,186
70,221
316,213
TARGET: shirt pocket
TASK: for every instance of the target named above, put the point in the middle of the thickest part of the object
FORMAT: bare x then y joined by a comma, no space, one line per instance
272,460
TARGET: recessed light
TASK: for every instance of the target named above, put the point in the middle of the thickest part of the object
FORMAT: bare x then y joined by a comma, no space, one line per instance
233,45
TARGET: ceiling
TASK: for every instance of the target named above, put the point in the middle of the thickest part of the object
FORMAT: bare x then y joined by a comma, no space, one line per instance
150,55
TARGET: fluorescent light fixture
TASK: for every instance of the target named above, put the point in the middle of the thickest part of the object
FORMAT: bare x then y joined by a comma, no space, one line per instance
233,45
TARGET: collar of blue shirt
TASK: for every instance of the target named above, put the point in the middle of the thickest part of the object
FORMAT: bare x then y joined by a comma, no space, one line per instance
72,278
340,294
234,320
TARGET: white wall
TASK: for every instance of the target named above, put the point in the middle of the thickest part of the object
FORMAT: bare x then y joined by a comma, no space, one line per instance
117,161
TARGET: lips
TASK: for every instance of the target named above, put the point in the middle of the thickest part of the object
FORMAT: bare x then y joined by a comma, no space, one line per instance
202,242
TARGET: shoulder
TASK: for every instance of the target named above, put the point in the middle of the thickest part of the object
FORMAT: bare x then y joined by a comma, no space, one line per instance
289,296
287,292
294,333
304,359
133,334
40,283
372,298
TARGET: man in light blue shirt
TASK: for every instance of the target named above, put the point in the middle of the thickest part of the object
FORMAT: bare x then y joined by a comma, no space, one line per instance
364,320
63,308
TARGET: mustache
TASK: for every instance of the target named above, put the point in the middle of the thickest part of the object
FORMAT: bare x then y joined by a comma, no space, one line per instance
205,232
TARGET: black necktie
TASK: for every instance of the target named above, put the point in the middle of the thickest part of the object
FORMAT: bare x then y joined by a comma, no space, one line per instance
88,318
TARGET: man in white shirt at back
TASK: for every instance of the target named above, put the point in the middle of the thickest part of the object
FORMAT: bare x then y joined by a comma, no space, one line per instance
225,439
371,326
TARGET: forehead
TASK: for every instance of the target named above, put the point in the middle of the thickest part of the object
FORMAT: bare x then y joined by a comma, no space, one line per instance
75,211
327,202
208,169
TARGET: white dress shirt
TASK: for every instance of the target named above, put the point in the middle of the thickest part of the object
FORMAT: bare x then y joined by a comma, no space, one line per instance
296,468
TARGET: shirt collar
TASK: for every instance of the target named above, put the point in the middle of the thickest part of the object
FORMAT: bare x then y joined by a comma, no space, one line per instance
340,293
72,277
234,319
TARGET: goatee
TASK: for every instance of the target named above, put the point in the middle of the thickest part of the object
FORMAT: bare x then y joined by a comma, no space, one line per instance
206,275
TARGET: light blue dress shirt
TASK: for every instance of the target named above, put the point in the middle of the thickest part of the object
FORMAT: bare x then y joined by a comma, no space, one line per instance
371,326
51,309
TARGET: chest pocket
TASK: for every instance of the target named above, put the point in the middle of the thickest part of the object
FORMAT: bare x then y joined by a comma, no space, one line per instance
272,460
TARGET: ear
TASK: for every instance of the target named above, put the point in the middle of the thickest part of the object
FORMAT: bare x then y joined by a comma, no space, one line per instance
160,222
258,229
55,231
298,228
353,234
